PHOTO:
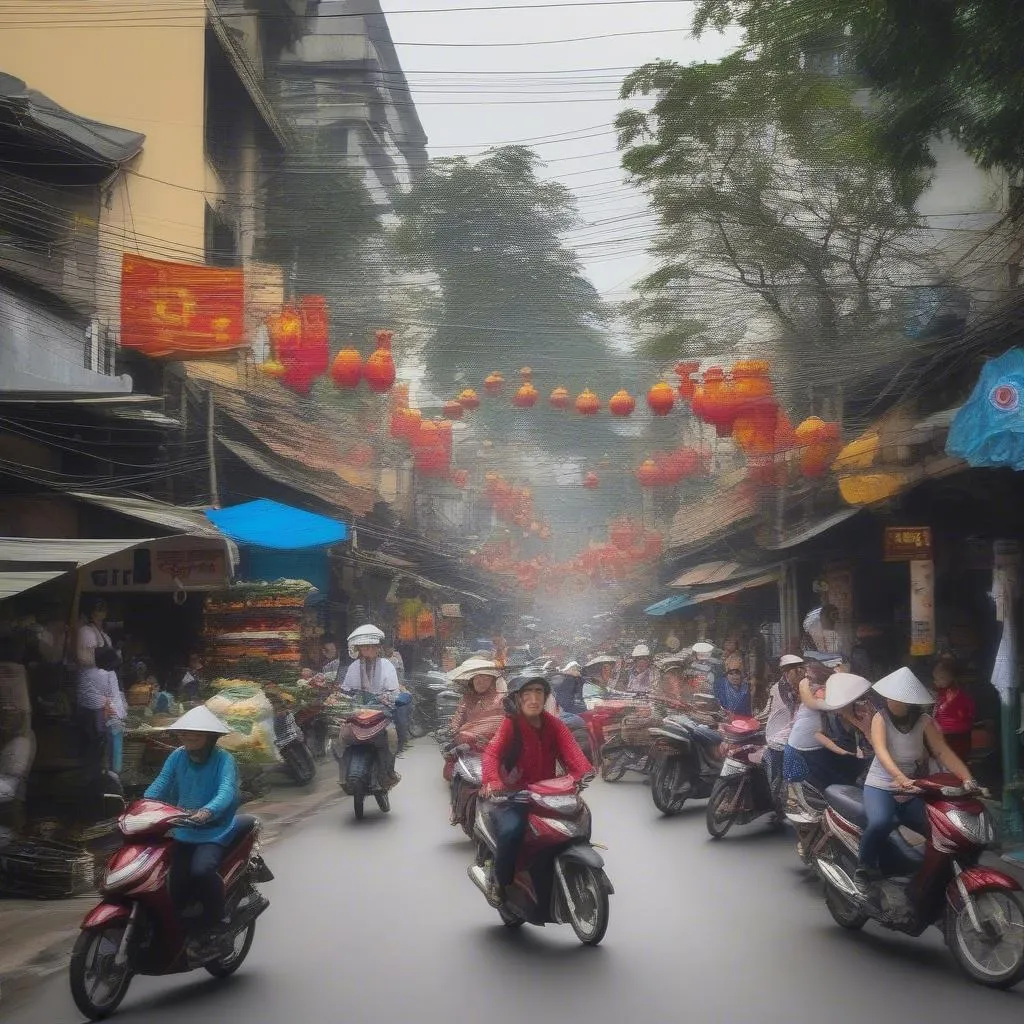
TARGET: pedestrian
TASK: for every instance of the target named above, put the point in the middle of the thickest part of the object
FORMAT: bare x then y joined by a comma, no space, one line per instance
191,685
954,707
94,696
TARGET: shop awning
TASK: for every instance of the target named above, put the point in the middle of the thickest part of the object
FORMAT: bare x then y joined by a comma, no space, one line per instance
807,531
762,579
389,565
667,605
714,572
269,524
16,582
173,517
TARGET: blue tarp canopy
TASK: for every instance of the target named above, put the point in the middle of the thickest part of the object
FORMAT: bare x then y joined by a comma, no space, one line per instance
668,604
269,524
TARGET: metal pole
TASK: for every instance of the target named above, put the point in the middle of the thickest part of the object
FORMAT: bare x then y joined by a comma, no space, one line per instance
210,450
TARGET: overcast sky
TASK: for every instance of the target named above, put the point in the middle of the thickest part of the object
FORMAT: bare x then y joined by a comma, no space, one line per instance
473,90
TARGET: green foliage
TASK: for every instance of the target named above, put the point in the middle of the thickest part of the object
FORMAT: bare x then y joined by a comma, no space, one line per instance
935,66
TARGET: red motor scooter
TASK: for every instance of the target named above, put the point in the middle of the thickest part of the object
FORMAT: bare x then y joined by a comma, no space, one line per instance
560,877
136,929
942,884
743,791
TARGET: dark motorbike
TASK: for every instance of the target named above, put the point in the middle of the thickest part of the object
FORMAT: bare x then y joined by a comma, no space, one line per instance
628,744
363,771
743,790
941,882
425,715
291,745
560,877
136,929
466,780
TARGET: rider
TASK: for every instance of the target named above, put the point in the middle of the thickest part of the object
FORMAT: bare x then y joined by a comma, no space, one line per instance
732,691
201,778
783,700
903,736
526,750
374,678
480,711
642,677
600,670
569,689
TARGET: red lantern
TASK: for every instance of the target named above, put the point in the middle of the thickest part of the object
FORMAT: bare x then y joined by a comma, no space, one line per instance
316,329
621,403
347,368
426,437
379,371
526,397
649,474
686,371
469,399
591,482
661,399
452,410
587,403
460,477
493,383
559,399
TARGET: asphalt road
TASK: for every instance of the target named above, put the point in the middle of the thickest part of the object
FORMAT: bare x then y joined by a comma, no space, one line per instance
377,922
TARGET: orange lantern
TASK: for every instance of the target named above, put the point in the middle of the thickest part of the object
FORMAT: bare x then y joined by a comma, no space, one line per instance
587,403
469,399
809,430
621,403
526,397
460,477
316,331
445,434
493,383
424,625
686,371
426,436
559,399
661,398
649,474
452,410
347,368
591,481
379,370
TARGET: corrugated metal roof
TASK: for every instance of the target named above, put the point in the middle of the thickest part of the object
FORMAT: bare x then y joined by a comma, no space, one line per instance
174,517
15,582
40,553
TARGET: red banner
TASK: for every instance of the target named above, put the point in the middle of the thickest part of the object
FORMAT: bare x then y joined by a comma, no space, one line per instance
182,309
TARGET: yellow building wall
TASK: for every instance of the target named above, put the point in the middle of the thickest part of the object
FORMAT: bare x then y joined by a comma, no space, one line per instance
149,77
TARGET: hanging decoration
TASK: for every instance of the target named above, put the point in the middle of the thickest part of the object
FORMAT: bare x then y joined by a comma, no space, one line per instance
299,338
559,398
660,399
452,410
649,474
493,383
527,395
819,443
469,400
379,371
621,403
686,371
587,403
591,481
273,368
347,368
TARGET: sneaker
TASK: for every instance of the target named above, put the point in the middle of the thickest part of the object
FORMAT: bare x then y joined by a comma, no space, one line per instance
495,893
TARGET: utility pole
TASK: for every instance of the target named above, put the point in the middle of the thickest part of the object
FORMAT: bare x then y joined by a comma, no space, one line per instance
211,451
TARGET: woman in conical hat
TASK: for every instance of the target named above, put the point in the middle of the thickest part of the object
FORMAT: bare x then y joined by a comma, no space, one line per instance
201,779
903,735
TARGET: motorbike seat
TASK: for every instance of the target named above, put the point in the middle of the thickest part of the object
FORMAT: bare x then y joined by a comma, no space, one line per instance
849,802
707,734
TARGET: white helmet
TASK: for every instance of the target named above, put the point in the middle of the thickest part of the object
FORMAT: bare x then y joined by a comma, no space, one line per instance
200,719
641,651
904,686
366,636
572,668
703,649
791,661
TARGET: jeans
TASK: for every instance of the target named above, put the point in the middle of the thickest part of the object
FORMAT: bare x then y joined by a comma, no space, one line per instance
884,813
402,714
509,828
827,768
194,875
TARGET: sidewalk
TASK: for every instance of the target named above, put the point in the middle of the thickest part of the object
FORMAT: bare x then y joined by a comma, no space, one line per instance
36,935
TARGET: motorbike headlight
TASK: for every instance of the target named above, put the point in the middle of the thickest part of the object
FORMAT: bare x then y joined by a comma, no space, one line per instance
562,803
131,872
977,828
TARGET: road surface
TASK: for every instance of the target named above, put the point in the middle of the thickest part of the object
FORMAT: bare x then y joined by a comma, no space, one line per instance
377,922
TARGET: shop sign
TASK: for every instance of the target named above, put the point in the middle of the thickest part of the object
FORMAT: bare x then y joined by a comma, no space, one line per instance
922,607
908,543
451,611
185,562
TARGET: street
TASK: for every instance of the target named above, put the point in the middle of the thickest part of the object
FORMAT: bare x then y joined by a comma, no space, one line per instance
377,921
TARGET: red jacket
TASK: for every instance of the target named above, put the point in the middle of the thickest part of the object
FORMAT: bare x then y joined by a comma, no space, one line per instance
542,749
954,710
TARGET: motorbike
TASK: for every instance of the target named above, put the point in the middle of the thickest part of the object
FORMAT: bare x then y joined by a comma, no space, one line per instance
424,688
687,755
560,876
805,811
939,883
313,724
466,780
743,790
136,930
291,745
627,747
363,771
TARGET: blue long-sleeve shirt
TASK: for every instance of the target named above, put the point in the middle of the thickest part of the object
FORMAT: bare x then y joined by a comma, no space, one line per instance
210,786
732,698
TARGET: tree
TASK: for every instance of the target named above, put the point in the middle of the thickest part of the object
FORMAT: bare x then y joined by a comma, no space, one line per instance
780,219
934,66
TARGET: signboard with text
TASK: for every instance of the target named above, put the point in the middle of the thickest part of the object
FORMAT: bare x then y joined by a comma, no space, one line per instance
908,543
161,566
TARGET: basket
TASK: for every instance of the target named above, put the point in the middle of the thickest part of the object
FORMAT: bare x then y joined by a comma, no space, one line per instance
140,695
40,869
635,730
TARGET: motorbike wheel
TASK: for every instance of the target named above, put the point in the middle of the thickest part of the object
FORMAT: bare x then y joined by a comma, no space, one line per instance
510,920
299,762
417,726
613,764
844,911
720,820
993,954
665,784
358,801
469,817
589,920
383,802
241,944
97,986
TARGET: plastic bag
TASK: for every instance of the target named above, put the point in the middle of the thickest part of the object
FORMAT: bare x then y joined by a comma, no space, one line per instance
249,712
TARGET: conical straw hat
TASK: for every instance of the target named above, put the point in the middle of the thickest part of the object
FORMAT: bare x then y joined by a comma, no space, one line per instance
200,719
904,686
